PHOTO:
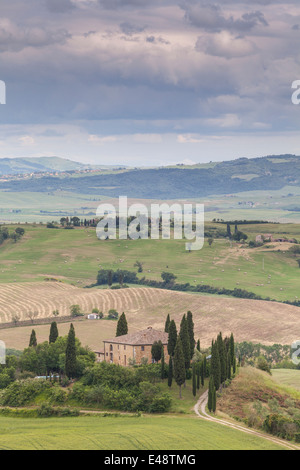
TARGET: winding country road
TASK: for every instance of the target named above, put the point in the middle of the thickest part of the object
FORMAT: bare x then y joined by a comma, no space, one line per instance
200,410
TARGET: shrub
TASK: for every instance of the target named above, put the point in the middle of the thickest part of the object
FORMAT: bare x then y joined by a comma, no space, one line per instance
57,395
161,404
262,364
46,410
23,392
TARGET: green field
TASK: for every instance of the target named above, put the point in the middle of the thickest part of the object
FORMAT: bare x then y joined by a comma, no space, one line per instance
287,377
124,433
75,256
276,206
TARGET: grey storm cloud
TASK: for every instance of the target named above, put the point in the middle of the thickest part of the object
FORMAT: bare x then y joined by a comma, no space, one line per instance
14,37
211,17
129,29
131,59
156,40
59,6
113,4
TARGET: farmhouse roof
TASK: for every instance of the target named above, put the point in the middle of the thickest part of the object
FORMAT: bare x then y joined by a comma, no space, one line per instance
143,337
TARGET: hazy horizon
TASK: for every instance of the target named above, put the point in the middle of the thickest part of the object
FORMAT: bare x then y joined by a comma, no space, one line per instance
139,83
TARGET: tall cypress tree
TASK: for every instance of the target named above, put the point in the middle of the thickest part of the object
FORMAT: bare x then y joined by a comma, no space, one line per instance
185,340
170,372
122,326
229,235
172,338
162,364
198,345
215,366
190,325
223,358
53,332
33,340
210,394
70,364
214,399
179,365
167,324
194,380
198,370
231,348
234,365
204,367
228,366
202,372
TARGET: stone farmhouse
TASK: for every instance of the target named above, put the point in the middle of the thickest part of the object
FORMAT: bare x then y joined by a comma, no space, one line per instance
133,348
268,237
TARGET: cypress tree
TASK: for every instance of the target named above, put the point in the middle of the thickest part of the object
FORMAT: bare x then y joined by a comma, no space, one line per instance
210,394
223,358
190,325
167,324
172,338
198,345
179,365
229,235
199,365
215,366
33,340
234,365
70,364
204,367
156,350
231,348
122,326
162,364
170,373
53,332
203,372
214,399
228,366
194,380
185,340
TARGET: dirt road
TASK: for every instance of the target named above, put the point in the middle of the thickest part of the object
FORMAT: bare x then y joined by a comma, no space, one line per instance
200,410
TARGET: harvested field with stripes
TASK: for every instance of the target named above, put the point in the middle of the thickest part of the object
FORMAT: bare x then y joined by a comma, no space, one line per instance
249,320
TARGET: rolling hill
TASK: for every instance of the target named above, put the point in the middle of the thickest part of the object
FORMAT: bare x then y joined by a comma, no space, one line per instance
249,320
14,166
230,177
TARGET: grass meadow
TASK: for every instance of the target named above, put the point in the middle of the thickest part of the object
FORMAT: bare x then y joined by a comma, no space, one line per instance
124,433
75,256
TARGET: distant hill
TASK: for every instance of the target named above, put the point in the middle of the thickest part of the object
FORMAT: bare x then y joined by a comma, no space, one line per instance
14,166
235,176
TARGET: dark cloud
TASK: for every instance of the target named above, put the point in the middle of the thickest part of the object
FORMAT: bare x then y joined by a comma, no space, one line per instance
129,29
156,40
211,17
59,6
13,37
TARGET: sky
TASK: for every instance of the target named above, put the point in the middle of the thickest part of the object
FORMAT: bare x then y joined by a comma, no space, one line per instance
149,82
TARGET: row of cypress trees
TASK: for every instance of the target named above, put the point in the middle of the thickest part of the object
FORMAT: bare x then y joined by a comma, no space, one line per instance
52,336
181,346
223,366
71,359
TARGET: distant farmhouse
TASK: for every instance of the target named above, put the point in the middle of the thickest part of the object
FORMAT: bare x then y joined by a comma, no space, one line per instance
133,348
268,237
